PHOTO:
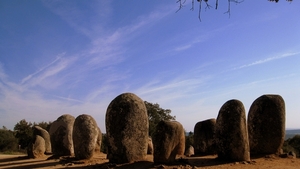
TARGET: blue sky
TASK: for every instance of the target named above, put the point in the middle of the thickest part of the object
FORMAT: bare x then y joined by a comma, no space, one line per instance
75,57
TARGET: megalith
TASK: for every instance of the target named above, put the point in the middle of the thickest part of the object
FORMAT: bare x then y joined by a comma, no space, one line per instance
85,135
190,151
61,131
150,146
169,141
37,130
127,129
266,125
204,133
36,147
99,141
231,134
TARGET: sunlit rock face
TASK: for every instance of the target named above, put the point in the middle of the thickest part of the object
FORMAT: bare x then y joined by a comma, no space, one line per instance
37,130
266,125
127,129
85,136
36,147
231,132
61,131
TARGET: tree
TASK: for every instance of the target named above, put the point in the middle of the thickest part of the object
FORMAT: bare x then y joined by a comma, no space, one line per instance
189,139
23,130
156,114
8,142
208,6
295,143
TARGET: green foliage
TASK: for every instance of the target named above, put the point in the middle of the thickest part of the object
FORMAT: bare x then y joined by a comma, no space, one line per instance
8,141
23,130
292,144
156,114
189,139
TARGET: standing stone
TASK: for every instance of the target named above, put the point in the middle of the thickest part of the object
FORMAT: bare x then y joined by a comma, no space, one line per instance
127,129
231,132
36,147
266,125
99,141
150,146
204,133
37,130
189,151
169,141
85,135
61,131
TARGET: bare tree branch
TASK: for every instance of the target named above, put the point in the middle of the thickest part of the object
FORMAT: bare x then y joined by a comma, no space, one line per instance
180,4
192,5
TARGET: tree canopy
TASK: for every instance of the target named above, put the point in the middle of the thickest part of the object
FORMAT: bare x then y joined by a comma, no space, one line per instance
8,142
24,132
156,114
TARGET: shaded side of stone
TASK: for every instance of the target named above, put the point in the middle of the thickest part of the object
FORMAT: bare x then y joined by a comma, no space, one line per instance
99,141
169,141
204,133
231,132
266,125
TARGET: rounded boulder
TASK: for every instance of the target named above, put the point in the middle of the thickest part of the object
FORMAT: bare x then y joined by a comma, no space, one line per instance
85,136
231,134
61,131
127,129
204,133
266,125
169,141
37,130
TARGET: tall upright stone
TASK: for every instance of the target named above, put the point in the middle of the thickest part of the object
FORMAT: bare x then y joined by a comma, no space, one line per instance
231,132
36,147
266,125
99,141
61,131
37,130
169,141
204,141
127,129
85,136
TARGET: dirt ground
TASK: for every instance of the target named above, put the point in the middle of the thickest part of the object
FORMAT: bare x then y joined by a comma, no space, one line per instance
100,161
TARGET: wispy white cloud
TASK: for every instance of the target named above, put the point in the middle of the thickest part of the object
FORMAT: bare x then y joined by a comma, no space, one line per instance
49,71
262,61
58,57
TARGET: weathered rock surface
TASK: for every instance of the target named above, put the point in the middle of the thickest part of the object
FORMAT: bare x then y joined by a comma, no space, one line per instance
85,135
266,125
204,142
36,147
231,132
190,151
169,141
150,146
61,131
99,141
127,129
37,130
